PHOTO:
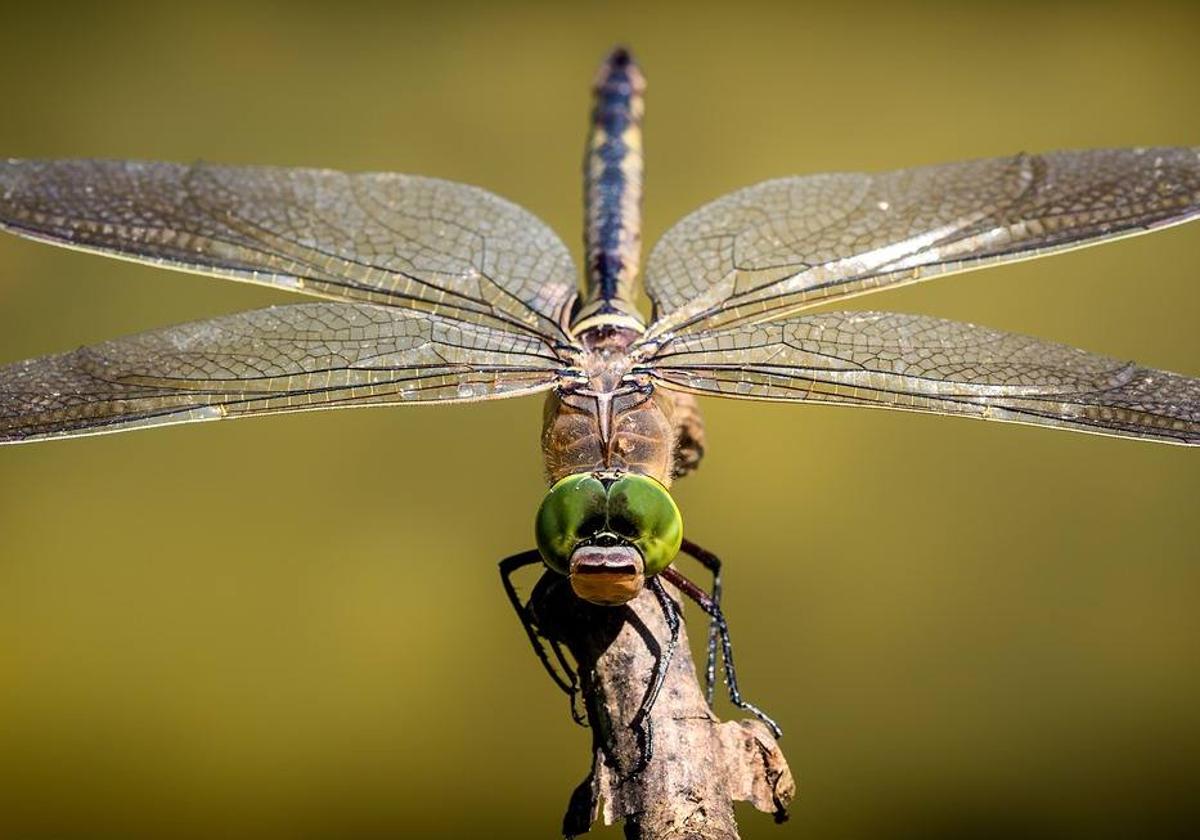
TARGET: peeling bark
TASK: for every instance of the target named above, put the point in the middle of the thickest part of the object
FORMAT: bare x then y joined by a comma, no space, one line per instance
700,765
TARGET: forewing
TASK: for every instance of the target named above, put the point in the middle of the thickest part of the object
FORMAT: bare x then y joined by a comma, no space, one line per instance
286,358
888,360
778,247
380,238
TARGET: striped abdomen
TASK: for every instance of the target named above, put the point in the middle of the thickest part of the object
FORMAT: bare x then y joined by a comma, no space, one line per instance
613,195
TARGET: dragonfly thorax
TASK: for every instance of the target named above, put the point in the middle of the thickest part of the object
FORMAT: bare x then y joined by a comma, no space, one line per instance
606,416
609,422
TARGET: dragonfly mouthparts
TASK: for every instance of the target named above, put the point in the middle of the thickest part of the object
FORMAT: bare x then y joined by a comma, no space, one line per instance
607,574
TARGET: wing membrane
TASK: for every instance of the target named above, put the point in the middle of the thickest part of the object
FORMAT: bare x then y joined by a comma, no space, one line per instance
380,238
888,360
778,247
286,358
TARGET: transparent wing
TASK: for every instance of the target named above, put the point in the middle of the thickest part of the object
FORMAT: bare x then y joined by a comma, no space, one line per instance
286,358
379,238
887,360
770,250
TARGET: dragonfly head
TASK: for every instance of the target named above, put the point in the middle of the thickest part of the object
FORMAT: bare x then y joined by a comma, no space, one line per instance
608,533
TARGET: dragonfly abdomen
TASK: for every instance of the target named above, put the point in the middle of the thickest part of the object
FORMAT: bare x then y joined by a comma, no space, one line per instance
613,196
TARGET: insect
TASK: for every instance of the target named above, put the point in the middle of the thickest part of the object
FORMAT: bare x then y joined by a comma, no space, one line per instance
441,292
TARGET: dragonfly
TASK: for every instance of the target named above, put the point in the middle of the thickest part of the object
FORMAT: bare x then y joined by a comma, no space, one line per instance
437,292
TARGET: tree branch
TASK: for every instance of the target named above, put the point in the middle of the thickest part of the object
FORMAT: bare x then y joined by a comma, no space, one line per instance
700,766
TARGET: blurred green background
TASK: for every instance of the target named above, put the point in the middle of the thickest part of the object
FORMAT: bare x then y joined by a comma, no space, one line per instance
293,626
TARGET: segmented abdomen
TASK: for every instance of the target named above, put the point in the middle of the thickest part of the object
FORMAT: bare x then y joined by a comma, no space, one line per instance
613,190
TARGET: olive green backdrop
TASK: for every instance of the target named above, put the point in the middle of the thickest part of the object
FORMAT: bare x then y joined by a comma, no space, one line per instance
293,626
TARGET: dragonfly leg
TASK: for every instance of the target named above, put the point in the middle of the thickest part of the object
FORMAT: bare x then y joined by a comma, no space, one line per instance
711,562
564,675
709,606
689,435
642,723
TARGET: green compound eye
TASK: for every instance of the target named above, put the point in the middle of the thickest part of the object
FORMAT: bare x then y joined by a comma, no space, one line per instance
641,510
574,508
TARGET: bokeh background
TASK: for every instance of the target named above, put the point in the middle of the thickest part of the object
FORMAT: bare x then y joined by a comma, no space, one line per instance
292,627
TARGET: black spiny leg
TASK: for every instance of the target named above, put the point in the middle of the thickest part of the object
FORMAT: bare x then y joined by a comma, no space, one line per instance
711,562
706,603
642,722
566,678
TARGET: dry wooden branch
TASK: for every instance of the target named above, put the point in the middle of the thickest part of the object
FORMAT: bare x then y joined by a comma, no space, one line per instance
700,765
